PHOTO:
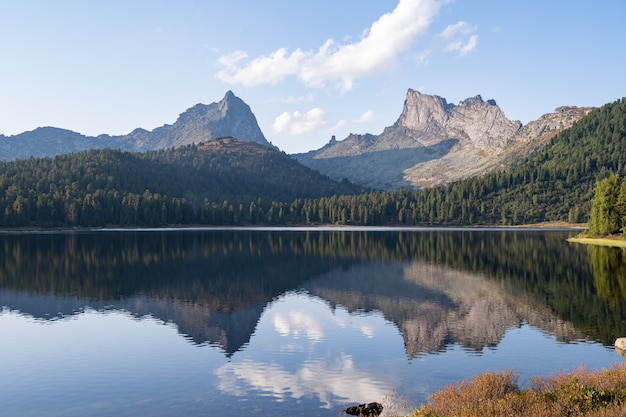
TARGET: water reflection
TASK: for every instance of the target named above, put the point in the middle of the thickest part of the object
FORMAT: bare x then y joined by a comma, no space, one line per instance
306,329
438,287
609,271
435,306
302,319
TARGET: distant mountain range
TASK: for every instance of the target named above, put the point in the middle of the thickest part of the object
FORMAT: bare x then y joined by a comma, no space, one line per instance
230,117
432,142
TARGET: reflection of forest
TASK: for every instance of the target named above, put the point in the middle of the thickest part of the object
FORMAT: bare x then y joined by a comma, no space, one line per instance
215,284
609,271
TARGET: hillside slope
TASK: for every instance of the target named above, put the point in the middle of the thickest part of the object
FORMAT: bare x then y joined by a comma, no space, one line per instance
193,183
555,183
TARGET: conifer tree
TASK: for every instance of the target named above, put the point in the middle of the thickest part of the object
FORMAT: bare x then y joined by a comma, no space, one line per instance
605,218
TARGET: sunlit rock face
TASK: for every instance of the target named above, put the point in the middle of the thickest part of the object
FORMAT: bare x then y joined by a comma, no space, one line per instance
474,122
435,142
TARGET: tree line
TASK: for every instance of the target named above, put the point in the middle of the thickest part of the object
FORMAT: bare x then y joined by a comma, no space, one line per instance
229,182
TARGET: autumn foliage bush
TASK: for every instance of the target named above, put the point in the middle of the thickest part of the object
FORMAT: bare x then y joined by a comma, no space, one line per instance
495,394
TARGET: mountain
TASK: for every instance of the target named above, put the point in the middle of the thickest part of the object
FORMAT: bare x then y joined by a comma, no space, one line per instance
436,142
230,117
555,183
225,181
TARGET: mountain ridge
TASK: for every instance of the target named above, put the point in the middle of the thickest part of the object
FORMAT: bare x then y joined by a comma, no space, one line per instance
435,142
230,117
432,142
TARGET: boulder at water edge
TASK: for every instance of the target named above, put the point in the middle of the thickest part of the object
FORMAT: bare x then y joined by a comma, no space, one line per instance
620,346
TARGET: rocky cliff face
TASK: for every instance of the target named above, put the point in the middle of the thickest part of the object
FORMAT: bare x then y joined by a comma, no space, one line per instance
229,117
474,122
435,142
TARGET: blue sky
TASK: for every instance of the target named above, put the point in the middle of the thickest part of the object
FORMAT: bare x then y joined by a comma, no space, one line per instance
308,70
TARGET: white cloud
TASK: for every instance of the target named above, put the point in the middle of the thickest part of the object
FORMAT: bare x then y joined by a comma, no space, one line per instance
366,117
341,123
297,123
337,63
459,38
268,69
470,45
291,99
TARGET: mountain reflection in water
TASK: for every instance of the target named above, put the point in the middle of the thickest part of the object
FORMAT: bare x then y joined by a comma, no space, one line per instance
346,306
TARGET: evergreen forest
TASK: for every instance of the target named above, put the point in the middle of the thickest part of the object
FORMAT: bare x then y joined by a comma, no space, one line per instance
231,182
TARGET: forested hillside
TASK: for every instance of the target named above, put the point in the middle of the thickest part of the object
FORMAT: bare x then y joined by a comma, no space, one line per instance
556,183
228,182
221,182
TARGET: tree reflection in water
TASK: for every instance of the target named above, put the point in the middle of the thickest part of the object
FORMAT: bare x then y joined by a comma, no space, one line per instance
215,284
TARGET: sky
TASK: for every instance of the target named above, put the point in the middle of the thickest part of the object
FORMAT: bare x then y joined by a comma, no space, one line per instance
308,70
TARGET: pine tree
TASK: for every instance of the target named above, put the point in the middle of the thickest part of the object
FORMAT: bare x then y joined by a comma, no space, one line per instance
605,217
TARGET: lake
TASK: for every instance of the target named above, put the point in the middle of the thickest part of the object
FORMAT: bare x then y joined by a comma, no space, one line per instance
298,322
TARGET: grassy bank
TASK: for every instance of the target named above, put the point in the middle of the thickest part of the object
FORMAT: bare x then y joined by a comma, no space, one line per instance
616,241
496,394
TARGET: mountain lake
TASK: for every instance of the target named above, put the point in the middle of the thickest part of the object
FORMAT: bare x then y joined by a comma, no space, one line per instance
292,322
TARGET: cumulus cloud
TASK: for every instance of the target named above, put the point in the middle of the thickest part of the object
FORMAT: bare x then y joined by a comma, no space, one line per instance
459,38
297,123
366,117
268,69
336,63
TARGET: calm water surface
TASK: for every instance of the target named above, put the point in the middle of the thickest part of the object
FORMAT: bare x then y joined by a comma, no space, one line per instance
273,323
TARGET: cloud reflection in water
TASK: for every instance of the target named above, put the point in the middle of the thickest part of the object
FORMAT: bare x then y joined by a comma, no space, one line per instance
295,354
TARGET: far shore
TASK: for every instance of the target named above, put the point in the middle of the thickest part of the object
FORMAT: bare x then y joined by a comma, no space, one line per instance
546,226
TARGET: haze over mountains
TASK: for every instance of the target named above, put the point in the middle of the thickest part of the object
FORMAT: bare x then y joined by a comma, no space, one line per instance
230,117
432,142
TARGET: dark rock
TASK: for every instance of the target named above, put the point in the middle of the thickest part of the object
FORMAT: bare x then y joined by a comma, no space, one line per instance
365,410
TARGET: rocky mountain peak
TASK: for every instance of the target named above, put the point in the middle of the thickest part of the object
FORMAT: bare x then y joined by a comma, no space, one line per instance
474,122
200,123
435,142
230,117
230,102
422,111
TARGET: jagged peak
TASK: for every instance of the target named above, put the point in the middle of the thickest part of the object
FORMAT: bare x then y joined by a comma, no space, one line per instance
228,101
416,96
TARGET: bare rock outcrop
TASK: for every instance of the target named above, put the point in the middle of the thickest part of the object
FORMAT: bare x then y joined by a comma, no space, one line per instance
435,142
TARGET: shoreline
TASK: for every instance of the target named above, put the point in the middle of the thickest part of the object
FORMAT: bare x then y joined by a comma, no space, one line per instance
610,241
551,226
